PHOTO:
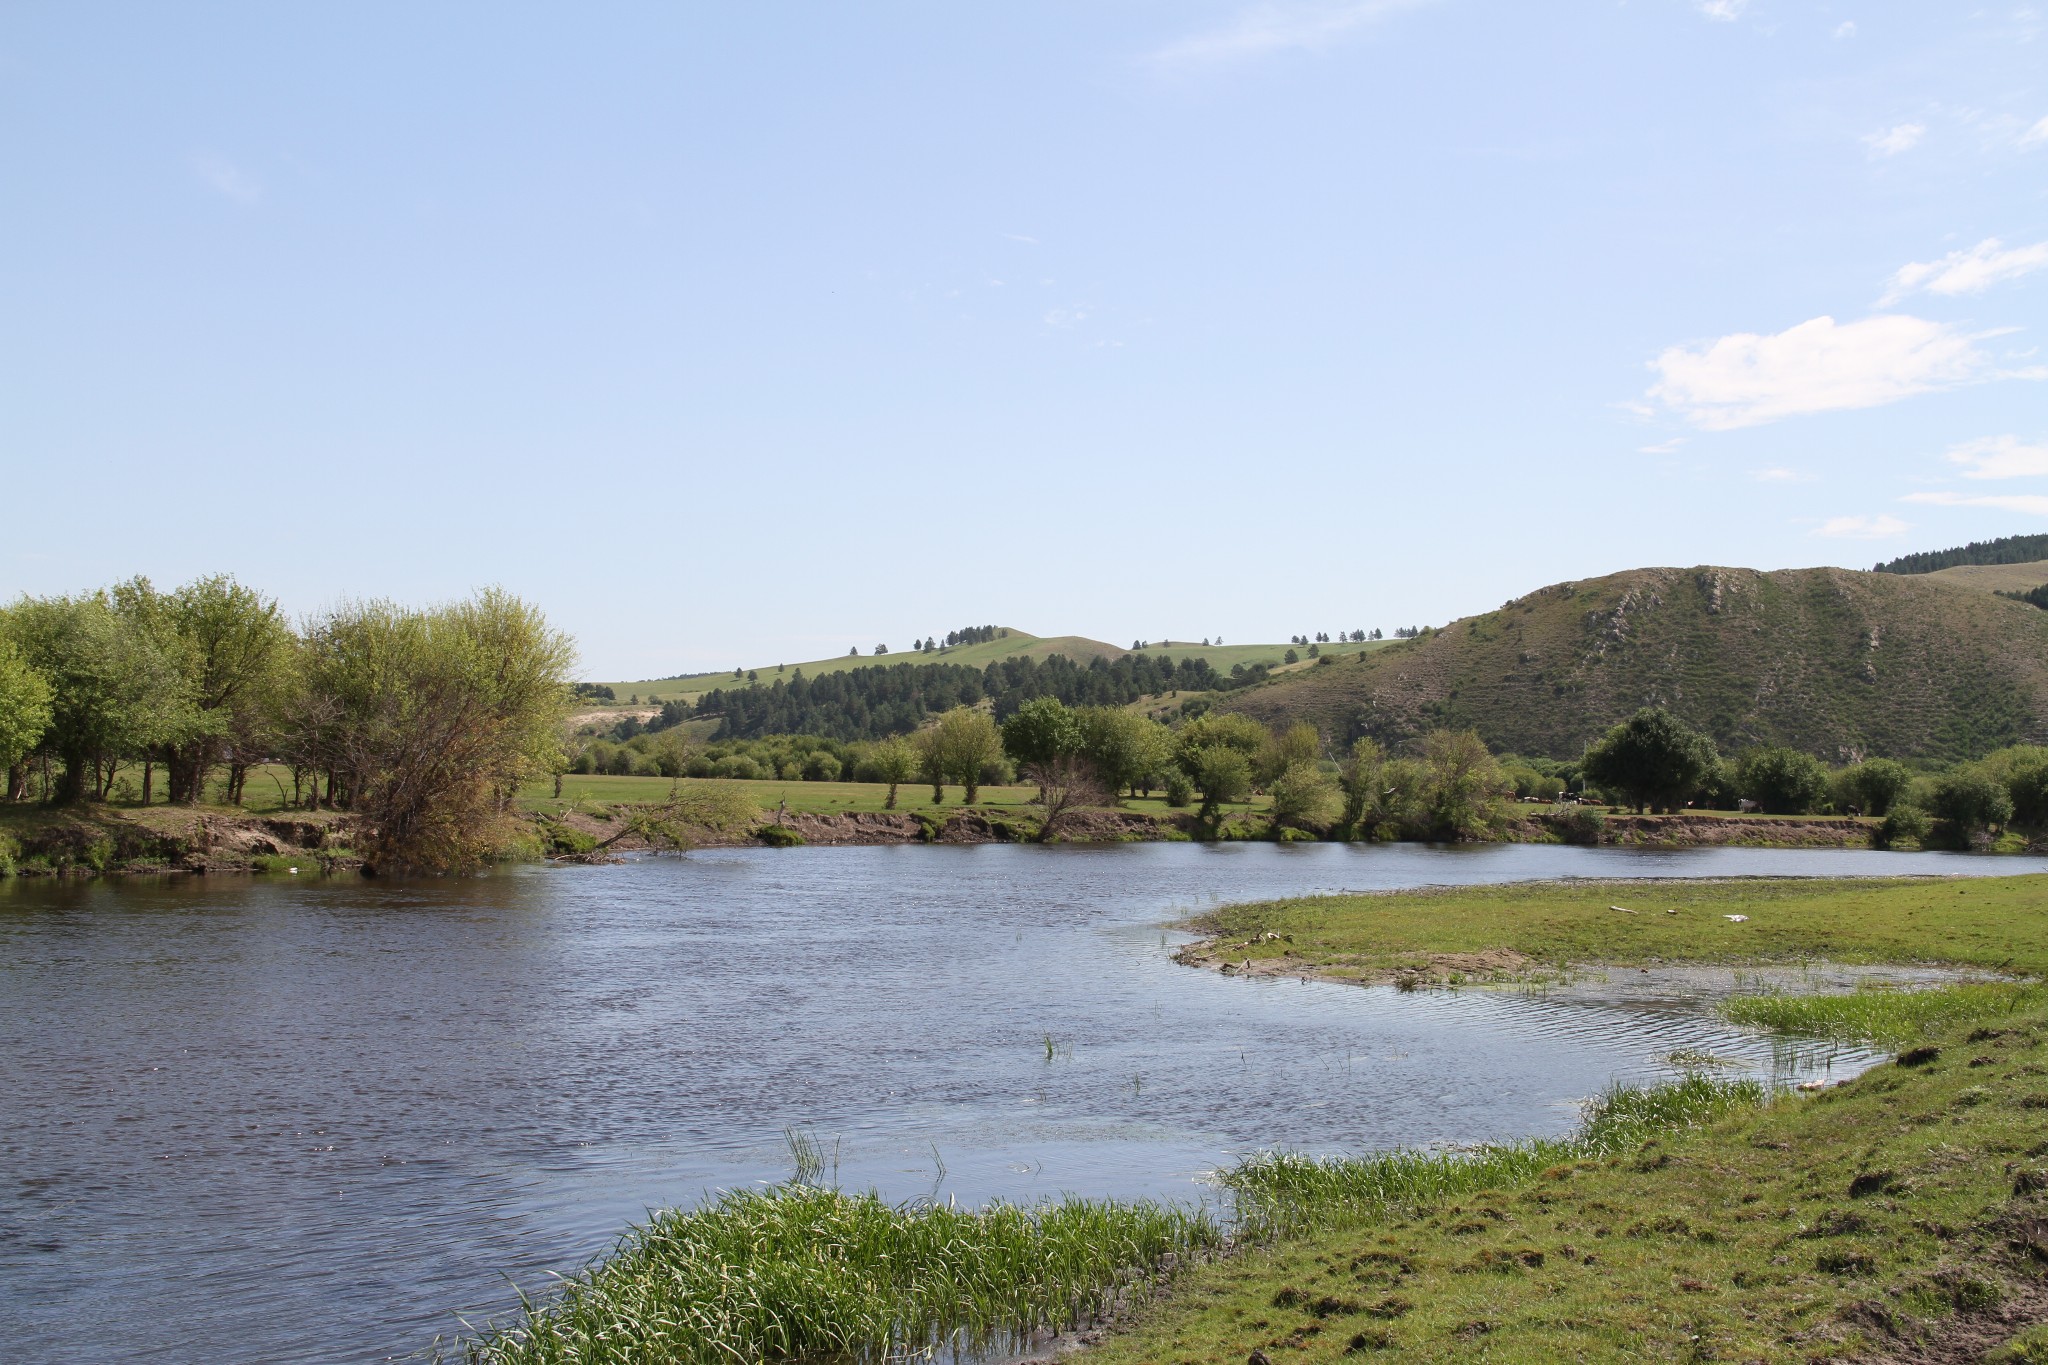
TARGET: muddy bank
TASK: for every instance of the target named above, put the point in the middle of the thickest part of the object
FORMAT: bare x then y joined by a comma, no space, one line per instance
173,839
1720,831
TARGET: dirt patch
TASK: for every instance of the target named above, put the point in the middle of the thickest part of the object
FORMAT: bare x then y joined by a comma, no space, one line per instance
103,841
1711,831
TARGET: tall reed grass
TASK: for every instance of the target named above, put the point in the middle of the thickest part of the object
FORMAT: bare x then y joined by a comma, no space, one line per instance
1281,1192
798,1273
1882,1015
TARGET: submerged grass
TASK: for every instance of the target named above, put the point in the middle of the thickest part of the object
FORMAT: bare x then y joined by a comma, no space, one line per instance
797,1272
1285,1192
1886,1016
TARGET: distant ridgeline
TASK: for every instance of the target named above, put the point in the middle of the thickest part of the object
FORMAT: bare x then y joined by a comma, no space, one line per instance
2009,550
893,699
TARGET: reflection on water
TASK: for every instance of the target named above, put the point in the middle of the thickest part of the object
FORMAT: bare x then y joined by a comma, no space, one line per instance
267,1120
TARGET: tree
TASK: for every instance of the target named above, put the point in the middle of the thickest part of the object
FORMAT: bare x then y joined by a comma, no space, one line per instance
441,715
1041,730
967,739
1299,744
1220,773
881,649
1782,781
24,715
1872,787
1652,758
1304,798
1970,801
896,762
1127,749
931,762
1067,783
1360,779
1466,785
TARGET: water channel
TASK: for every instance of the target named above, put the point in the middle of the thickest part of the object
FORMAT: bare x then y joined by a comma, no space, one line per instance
253,1120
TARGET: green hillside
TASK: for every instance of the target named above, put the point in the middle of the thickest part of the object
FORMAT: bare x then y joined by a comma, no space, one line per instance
1831,661
1995,577
1011,643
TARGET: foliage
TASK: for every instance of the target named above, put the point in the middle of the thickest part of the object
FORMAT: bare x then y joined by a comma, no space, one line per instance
781,836
895,762
24,705
1040,731
1970,801
1872,787
1653,758
1297,745
1360,777
1129,751
1903,824
1221,773
1466,789
1067,784
1305,798
1180,788
802,1273
960,747
1782,781
1892,1018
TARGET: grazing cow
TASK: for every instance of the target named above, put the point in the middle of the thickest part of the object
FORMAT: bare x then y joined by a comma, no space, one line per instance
1747,806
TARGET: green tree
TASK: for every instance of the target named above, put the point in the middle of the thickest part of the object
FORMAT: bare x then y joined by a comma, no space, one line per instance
1782,781
1304,797
24,715
965,740
1220,772
1872,787
1361,782
1125,749
438,717
1297,745
896,762
1040,731
1970,801
1467,790
1652,758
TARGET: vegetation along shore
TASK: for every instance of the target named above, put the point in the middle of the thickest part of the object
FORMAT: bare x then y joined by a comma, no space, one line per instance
1902,1215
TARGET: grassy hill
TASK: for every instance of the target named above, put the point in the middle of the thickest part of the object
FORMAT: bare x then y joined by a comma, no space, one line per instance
1995,577
1013,644
1831,661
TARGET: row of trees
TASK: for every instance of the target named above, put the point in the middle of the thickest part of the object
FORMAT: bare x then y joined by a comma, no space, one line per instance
1653,760
423,722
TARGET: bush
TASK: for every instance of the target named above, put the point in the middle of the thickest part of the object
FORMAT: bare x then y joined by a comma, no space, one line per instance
1581,825
779,836
10,854
1782,781
1873,787
1970,801
1305,798
1903,824
736,767
1179,790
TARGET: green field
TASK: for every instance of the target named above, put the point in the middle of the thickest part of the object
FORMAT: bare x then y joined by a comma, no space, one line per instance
819,798
1018,644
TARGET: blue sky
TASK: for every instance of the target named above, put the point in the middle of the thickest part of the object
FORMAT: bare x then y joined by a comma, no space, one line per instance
732,334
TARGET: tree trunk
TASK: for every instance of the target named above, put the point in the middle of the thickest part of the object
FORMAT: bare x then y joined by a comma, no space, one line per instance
70,788
148,778
17,781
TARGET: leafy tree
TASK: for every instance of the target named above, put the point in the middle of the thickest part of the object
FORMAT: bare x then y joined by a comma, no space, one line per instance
1361,782
1305,798
896,761
1041,730
1127,750
1466,786
1970,801
1277,753
1652,758
1220,772
1180,789
1782,781
964,740
24,715
1290,657
1872,787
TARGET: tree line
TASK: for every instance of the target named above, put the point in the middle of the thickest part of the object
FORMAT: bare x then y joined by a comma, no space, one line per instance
895,699
422,722
2006,550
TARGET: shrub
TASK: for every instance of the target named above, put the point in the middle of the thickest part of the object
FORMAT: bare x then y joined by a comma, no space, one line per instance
1902,824
1304,797
1581,825
779,836
1782,781
1873,787
10,854
737,767
1179,790
1970,801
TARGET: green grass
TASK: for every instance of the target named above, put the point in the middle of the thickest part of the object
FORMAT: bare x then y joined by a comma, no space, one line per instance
1874,1014
1877,1218
1994,922
801,1273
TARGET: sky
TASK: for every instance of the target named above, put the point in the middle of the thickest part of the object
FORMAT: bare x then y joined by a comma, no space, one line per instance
735,334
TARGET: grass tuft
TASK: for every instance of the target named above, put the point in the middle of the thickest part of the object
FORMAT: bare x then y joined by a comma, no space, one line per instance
1885,1016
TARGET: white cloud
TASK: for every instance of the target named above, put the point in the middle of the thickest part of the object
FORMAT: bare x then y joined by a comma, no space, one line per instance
2000,457
2035,503
1967,272
1726,10
1903,137
1819,366
1020,237
1846,29
227,178
1669,447
1861,528
1268,28
1780,475
2037,135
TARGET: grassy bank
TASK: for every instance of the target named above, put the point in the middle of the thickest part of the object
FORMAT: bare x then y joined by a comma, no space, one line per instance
1999,923
1899,1217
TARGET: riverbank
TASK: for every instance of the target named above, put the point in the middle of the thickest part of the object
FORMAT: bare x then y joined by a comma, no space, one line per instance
102,840
1900,1216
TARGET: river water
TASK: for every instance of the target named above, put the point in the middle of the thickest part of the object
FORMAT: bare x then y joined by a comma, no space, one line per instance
256,1120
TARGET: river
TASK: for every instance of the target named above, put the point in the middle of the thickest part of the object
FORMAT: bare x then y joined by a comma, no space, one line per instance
269,1119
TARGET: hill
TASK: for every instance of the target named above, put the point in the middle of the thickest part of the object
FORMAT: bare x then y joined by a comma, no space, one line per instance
1995,577
1009,643
2006,550
1831,661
